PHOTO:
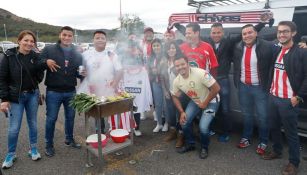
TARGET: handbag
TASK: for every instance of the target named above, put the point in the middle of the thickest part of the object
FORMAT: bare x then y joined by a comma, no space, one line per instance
41,97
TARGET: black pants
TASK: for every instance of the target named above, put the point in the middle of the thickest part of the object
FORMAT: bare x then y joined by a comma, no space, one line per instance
137,118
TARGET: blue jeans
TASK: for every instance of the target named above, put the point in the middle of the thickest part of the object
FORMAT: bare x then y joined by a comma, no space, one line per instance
28,102
171,113
283,114
225,100
53,102
158,98
207,115
249,96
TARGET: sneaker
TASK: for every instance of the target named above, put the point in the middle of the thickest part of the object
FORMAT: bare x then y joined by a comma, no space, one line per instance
261,149
157,128
289,169
165,127
203,153
211,133
186,148
9,161
73,144
244,143
34,154
224,138
137,133
50,152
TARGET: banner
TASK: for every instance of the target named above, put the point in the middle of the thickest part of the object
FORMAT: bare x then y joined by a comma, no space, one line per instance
210,18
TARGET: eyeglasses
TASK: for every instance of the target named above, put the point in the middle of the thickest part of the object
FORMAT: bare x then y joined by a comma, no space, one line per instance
285,32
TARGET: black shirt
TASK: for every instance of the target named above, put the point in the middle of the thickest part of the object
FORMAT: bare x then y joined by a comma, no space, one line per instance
27,81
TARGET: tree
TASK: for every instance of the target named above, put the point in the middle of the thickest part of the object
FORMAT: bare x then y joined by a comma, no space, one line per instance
132,23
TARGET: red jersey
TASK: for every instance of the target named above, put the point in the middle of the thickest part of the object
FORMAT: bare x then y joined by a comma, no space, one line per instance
202,56
280,86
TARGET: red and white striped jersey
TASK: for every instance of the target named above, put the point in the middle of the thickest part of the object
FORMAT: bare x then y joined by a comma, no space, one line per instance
249,66
280,86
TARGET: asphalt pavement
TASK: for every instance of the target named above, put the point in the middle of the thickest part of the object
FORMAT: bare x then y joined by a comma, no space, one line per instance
149,155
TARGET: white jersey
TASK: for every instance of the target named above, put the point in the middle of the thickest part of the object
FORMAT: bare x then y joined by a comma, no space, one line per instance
136,82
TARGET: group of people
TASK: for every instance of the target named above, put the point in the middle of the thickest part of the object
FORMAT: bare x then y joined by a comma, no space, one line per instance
21,71
189,81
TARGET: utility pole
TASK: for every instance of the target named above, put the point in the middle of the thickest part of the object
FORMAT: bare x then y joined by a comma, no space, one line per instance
5,32
37,35
120,14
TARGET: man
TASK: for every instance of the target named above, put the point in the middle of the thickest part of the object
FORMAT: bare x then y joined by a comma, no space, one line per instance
252,60
201,88
169,36
200,54
103,69
288,80
223,48
62,62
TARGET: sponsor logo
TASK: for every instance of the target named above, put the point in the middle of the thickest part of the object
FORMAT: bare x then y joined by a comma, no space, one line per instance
279,66
191,94
133,90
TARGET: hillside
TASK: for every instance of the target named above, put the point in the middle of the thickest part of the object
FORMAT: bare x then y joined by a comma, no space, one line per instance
45,32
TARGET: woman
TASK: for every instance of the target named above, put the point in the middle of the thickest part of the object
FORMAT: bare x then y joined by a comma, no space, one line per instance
19,78
156,79
172,51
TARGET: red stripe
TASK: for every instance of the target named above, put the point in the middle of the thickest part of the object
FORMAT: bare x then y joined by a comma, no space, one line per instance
284,85
121,122
113,122
276,83
247,64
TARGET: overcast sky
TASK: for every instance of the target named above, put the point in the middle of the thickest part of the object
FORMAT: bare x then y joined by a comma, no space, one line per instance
93,14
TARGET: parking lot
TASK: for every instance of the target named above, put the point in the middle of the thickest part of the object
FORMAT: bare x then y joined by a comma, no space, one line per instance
149,155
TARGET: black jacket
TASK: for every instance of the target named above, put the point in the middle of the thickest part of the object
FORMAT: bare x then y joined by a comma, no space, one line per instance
295,62
264,53
225,51
11,73
64,79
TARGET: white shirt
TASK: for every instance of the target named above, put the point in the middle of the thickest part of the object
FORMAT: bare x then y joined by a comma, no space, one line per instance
101,68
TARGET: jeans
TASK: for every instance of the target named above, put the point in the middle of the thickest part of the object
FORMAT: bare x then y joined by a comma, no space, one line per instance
28,102
158,100
283,114
249,96
225,101
207,115
171,112
53,102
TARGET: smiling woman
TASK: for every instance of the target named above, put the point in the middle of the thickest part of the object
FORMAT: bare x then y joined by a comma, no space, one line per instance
19,93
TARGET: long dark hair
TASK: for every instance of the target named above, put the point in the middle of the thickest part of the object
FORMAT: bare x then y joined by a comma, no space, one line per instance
168,46
153,54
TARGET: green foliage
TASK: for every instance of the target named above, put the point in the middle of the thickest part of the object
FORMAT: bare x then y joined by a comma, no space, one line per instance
132,23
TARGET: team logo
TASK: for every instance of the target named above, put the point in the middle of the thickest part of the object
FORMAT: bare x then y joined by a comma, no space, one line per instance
192,84
208,75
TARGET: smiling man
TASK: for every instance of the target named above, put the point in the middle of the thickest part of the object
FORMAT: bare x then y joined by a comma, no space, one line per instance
201,88
288,82
252,60
62,62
